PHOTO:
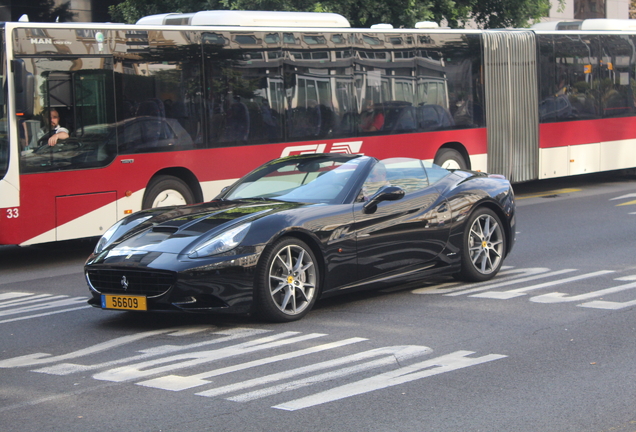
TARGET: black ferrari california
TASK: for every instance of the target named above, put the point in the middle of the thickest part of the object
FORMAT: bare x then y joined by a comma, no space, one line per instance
305,227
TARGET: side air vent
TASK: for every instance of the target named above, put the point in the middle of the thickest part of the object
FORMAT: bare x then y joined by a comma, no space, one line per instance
165,229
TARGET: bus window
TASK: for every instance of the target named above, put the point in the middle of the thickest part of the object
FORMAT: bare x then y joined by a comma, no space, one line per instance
569,88
319,83
73,106
616,72
161,107
244,89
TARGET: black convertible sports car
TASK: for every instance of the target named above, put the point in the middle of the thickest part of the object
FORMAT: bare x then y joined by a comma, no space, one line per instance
304,227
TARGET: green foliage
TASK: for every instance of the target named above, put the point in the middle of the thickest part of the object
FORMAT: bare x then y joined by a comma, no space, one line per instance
129,11
362,13
43,11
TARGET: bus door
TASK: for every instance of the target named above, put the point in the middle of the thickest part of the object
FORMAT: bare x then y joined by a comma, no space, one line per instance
68,136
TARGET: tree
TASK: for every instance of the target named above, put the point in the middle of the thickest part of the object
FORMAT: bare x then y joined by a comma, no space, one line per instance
43,11
362,13
129,11
507,13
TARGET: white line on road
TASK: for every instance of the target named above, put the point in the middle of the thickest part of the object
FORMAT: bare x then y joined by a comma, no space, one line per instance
393,354
144,369
557,297
522,291
69,368
178,383
43,314
447,363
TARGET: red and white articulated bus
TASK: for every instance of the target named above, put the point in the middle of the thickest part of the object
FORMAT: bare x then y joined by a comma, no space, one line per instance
174,108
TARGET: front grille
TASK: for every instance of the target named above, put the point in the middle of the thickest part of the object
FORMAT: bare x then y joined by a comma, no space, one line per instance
135,282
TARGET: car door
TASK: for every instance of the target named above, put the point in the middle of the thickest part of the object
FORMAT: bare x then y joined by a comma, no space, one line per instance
403,236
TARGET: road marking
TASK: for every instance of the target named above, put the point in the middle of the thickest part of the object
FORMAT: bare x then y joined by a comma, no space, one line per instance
178,383
180,361
547,193
58,302
329,376
557,297
291,376
393,356
12,295
228,335
502,277
522,291
425,369
604,304
457,289
43,314
43,358
18,303
631,195
495,284
626,203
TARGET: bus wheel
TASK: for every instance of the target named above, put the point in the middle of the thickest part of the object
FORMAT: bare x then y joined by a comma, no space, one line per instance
165,191
450,159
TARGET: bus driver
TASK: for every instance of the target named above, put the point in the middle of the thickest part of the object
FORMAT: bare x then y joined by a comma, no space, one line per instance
56,132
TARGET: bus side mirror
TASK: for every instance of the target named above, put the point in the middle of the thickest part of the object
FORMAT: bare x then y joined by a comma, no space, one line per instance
24,85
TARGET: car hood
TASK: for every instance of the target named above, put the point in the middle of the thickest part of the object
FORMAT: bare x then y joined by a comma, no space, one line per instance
178,228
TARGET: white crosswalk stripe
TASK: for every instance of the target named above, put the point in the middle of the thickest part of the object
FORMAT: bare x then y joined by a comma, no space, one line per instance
297,362
29,305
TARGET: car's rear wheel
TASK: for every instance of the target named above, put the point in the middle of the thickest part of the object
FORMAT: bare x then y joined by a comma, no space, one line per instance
165,191
484,246
288,279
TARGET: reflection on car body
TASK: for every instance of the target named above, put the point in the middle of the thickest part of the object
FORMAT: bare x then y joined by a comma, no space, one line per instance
304,227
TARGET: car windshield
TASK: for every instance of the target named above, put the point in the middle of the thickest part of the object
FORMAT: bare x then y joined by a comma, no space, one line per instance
314,180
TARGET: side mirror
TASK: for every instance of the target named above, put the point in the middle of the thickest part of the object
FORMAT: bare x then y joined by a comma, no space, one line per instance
24,86
389,193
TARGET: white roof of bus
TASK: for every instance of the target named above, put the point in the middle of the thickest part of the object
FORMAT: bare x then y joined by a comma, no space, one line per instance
249,19
587,25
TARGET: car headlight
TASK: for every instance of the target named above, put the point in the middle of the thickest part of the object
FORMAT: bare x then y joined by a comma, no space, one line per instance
109,235
224,242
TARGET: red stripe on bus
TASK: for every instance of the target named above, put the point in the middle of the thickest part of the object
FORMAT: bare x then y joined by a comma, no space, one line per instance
586,131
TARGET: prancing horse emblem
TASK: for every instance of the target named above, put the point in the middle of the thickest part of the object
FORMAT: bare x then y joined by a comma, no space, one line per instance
124,283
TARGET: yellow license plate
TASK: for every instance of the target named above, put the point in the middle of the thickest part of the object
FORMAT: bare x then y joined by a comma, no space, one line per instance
124,302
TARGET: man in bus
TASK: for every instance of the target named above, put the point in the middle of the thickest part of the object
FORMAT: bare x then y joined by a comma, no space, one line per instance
57,132
371,120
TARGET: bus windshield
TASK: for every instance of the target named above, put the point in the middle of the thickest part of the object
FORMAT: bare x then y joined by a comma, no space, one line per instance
4,133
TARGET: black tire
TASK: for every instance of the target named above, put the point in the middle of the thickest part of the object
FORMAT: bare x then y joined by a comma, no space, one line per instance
450,159
484,246
165,191
288,280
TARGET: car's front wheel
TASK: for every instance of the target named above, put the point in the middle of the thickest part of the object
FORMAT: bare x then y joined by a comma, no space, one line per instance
484,246
288,279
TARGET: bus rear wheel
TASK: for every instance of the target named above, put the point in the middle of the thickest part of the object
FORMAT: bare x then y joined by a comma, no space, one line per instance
450,159
165,191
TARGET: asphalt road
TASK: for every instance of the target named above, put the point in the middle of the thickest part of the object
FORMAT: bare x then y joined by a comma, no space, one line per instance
546,346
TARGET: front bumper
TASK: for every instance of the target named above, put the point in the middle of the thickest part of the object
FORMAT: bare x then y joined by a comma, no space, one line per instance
218,286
